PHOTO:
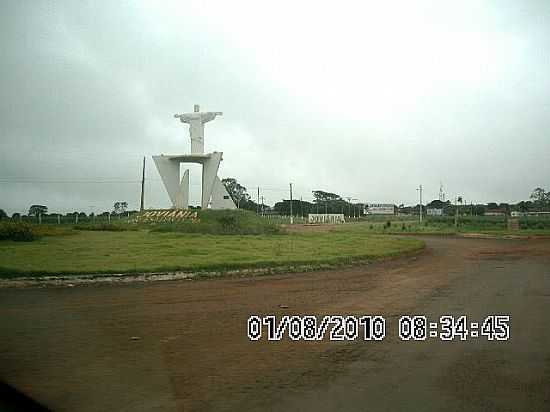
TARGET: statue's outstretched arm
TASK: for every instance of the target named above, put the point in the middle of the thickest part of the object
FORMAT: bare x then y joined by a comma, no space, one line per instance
184,118
206,117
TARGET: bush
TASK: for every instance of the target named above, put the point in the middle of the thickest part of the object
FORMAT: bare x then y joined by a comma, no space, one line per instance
52,230
223,222
19,232
228,223
102,226
536,223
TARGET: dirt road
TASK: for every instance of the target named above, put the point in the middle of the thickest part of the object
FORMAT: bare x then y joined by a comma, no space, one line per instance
183,345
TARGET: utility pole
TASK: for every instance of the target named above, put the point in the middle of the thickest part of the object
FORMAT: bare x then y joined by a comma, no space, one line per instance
141,204
351,199
420,211
262,205
291,216
301,208
92,213
456,212
258,207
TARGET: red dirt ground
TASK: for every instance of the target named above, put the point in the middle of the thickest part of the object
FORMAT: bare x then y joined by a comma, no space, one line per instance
72,348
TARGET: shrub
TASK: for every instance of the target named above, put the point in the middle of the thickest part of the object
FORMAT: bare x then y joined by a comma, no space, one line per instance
223,222
52,230
19,232
228,223
102,226
535,222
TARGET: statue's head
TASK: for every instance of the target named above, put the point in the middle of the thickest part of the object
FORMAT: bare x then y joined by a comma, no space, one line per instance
197,108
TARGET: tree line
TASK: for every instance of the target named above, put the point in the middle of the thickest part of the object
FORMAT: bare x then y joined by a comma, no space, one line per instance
119,209
328,202
324,202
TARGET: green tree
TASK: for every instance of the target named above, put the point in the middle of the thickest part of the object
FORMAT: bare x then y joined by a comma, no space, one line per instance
120,207
524,206
299,207
505,207
3,214
322,197
437,204
479,210
35,210
540,196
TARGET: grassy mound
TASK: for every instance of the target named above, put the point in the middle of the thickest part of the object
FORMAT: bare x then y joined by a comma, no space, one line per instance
223,222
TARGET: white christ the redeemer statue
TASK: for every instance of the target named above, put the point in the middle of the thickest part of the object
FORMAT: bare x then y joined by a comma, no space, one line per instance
196,121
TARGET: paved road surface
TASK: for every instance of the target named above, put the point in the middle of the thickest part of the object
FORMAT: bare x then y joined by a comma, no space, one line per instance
71,348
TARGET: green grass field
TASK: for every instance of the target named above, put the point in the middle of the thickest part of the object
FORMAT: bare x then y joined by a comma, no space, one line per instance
445,226
144,251
224,241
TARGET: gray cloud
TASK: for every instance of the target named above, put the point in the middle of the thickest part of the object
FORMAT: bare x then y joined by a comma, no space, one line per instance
367,103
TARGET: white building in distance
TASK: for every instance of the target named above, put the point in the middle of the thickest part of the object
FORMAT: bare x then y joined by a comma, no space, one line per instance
431,211
380,209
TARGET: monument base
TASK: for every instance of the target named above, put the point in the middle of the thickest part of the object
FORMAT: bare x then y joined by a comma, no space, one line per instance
214,193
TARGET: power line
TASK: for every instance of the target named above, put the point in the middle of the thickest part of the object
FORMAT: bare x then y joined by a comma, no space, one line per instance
2,180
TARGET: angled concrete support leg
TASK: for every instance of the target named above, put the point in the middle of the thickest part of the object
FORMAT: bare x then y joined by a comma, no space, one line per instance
169,171
182,198
220,197
209,174
213,191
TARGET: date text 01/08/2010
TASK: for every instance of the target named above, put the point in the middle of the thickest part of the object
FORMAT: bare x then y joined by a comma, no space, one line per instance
373,327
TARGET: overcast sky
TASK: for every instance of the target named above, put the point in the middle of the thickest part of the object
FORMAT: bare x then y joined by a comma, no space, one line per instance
366,99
